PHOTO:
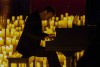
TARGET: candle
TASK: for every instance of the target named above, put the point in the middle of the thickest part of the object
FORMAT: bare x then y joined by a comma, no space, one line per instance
8,21
13,40
7,32
20,33
12,32
70,22
52,23
13,65
3,48
21,17
8,40
83,20
53,18
7,49
21,22
66,14
11,48
22,27
1,41
64,65
13,18
57,18
38,64
3,32
1,58
2,65
18,18
0,49
10,54
61,16
44,61
16,23
78,23
17,41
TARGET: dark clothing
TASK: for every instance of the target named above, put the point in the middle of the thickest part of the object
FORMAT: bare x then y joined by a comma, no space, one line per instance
31,36
29,43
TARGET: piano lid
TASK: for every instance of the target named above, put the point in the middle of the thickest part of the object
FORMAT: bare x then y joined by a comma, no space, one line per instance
69,39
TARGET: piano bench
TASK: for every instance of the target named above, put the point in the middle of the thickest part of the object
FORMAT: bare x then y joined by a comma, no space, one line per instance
17,61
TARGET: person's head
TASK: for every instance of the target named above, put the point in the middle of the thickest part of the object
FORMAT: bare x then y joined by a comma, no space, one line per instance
47,13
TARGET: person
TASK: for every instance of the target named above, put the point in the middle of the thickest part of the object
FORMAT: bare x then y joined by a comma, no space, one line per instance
29,42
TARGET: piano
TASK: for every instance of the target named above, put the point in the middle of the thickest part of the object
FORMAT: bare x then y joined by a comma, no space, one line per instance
69,39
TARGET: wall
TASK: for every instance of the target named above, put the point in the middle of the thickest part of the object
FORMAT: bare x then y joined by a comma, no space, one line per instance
71,6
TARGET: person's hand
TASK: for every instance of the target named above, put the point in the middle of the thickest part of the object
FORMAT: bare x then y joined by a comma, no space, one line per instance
51,35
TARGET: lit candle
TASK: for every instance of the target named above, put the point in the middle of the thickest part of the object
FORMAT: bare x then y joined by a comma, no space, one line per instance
18,18
3,32
38,64
78,23
64,65
13,65
8,40
21,22
57,18
7,32
8,21
13,18
22,27
1,57
21,17
12,32
66,14
16,23
83,20
11,48
69,22
2,65
1,41
13,40
3,48
17,41
7,49
20,33
61,16
52,23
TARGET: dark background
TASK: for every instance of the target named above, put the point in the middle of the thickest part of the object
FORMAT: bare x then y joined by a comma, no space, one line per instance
25,7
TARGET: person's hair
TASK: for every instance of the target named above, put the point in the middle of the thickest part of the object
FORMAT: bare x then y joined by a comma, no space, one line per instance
50,9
